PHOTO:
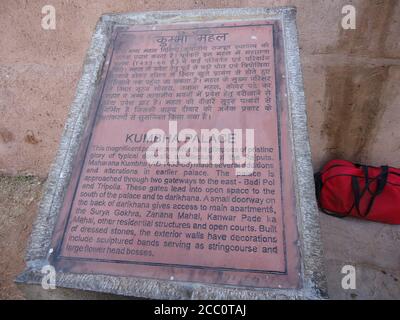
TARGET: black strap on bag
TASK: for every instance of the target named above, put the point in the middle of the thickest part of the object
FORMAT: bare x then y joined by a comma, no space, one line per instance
318,184
380,185
381,180
318,188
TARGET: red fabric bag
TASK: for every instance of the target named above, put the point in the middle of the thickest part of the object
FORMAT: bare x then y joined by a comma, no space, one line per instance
366,192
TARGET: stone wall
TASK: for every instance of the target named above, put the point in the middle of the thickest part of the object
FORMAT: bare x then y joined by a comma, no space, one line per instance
351,76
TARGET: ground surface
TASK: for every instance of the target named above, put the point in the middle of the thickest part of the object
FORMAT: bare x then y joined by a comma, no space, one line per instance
19,197
372,248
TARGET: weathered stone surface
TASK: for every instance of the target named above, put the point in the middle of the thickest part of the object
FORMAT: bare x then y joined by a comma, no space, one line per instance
295,162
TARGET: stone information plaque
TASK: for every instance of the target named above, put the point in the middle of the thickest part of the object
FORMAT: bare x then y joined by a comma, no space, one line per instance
184,168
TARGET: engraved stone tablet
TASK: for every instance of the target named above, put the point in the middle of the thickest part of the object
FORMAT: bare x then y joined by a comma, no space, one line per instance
185,167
